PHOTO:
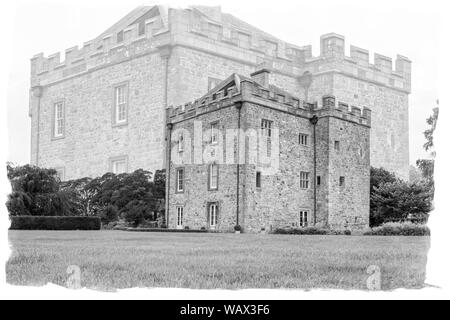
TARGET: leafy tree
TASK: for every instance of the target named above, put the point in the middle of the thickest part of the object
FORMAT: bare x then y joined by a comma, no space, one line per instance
431,121
35,191
399,201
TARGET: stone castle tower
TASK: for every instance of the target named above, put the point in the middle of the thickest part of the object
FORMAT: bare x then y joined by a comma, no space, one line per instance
103,107
250,154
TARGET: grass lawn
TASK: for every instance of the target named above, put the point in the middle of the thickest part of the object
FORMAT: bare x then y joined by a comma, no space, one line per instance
116,259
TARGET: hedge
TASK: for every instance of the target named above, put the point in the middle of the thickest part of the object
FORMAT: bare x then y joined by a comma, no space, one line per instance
54,223
399,229
311,231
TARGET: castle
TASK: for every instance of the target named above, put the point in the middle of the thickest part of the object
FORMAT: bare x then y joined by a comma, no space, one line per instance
103,108
250,154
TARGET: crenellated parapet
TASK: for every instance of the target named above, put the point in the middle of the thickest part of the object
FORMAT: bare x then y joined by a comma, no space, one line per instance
250,91
381,71
107,49
210,102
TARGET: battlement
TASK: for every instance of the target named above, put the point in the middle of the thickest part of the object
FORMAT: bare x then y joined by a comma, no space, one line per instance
252,92
207,103
108,48
209,29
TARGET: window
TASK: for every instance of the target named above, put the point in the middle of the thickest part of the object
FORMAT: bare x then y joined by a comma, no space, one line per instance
342,181
244,39
303,139
120,104
120,36
181,143
213,176
266,131
318,180
118,165
337,145
141,28
304,180
303,218
266,127
58,128
258,179
212,215
180,212
180,180
214,132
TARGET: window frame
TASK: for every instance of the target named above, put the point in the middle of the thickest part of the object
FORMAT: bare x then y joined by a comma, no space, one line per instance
337,145
177,180
210,176
56,119
214,128
342,181
114,160
303,139
304,180
303,218
180,209
116,105
216,215
258,180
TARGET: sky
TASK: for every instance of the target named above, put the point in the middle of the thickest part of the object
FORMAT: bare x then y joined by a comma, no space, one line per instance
396,27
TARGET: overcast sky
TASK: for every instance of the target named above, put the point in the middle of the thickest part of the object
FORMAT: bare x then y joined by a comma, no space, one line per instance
396,27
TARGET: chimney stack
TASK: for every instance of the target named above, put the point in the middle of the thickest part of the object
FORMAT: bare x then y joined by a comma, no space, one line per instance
261,77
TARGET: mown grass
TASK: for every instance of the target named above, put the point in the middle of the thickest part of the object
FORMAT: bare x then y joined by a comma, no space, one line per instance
116,259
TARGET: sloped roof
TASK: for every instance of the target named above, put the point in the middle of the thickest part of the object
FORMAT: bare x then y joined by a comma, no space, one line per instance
130,19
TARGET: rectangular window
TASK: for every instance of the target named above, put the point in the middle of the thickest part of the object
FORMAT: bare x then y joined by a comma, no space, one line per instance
180,180
318,180
141,28
304,180
213,215
58,127
214,132
266,131
342,181
258,179
337,145
303,139
118,165
120,36
181,143
244,39
213,176
303,218
266,127
120,104
180,213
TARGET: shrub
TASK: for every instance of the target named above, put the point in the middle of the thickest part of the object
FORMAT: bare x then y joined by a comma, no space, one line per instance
54,223
302,231
109,214
237,228
399,229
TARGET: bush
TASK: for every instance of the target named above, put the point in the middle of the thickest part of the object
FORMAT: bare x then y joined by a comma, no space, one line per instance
109,214
237,228
302,231
399,229
54,223
312,231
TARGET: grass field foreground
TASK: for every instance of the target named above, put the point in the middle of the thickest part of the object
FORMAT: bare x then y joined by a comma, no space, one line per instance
116,259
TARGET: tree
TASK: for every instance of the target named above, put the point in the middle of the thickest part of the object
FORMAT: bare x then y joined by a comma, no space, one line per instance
400,201
431,121
35,191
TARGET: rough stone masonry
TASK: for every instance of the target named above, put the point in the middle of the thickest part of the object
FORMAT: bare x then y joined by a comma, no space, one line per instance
250,154
102,107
